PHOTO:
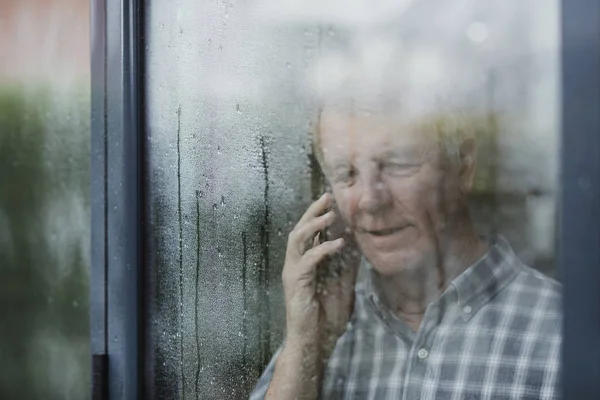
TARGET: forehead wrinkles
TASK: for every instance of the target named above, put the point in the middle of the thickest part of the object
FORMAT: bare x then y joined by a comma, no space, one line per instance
345,134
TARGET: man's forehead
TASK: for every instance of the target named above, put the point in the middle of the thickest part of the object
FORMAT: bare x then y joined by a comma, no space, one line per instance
338,128
340,147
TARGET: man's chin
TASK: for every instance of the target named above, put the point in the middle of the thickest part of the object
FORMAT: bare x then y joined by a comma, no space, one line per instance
392,263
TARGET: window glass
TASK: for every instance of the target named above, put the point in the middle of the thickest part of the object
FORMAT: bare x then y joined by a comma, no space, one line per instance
235,92
44,199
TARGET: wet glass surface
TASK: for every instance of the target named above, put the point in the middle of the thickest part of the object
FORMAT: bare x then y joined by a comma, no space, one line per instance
233,96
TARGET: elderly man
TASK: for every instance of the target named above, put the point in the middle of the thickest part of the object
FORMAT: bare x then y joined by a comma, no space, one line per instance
442,313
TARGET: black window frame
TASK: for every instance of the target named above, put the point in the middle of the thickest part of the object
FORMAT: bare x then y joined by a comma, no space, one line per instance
579,236
118,188
118,208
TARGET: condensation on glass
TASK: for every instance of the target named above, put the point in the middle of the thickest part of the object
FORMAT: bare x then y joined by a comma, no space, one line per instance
230,110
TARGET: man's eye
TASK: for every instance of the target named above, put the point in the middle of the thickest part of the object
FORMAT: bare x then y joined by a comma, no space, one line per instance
400,168
346,176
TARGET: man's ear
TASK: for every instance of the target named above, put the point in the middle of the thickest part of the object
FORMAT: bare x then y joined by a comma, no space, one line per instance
468,155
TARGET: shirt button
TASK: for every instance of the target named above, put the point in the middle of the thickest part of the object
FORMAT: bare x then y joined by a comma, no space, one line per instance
467,309
422,354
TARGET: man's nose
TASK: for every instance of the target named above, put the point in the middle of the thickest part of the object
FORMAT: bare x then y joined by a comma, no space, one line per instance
374,194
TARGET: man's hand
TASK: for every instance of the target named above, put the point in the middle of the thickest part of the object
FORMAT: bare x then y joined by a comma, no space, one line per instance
319,296
318,281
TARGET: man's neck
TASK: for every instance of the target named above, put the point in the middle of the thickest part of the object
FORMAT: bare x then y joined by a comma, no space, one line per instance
408,293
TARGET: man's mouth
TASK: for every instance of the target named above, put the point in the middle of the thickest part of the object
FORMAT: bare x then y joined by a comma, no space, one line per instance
384,232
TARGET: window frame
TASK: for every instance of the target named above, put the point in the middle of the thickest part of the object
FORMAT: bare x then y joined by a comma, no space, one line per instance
118,209
579,235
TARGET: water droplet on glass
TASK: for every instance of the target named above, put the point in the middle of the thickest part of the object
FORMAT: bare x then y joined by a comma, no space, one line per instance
180,31
209,40
279,233
237,108
162,25
218,149
75,303
222,200
220,47
288,65
214,207
226,15
331,32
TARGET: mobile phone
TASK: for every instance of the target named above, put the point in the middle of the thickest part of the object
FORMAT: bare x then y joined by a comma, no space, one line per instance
333,266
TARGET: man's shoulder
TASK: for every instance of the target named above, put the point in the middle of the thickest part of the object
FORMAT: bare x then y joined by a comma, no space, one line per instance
529,280
536,295
523,280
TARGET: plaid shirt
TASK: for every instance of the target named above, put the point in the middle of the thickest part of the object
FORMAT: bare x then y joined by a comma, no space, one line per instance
494,334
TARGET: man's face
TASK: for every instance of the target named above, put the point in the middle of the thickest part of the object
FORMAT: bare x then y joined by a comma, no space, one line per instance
393,186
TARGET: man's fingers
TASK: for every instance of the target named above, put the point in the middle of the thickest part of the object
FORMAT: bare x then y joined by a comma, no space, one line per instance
306,266
308,231
315,255
299,238
317,240
315,209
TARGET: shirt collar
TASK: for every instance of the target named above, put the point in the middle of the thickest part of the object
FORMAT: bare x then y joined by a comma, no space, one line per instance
477,285
488,276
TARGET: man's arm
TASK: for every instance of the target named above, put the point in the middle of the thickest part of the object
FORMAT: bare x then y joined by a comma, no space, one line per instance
290,373
298,371
260,390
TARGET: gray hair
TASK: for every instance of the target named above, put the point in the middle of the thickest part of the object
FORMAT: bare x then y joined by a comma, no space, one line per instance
450,126
447,108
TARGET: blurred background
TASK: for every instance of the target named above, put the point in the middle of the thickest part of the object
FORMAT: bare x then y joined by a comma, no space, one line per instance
44,199
230,107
